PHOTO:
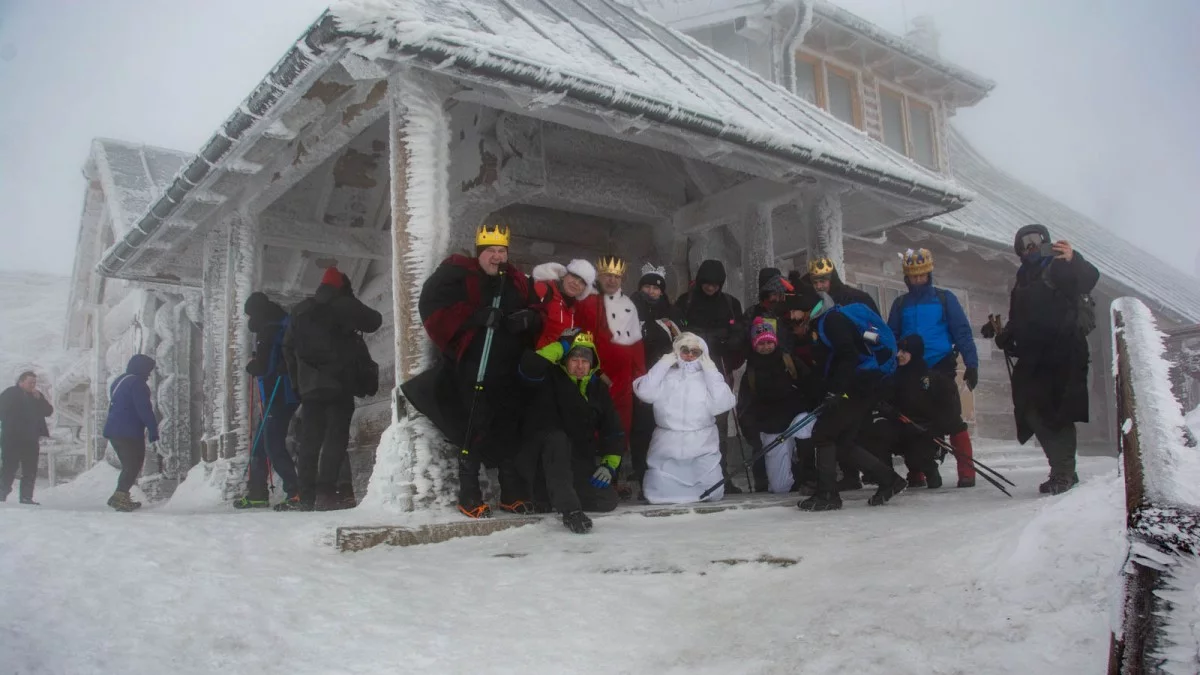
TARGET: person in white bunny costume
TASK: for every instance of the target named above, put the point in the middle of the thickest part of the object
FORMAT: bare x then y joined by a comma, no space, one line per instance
687,392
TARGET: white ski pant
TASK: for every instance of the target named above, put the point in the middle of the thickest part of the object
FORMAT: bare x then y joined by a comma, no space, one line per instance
779,459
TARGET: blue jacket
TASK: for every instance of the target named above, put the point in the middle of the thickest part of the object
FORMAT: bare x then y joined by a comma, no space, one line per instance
921,312
129,411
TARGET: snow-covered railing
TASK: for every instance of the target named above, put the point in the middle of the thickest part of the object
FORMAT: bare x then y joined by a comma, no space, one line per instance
1160,608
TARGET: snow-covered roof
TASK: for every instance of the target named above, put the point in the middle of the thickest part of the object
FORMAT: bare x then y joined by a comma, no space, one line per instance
1003,204
600,51
133,176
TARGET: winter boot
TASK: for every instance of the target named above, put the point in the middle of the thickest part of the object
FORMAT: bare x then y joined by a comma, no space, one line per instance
120,501
327,501
470,495
887,490
917,479
248,503
933,479
29,502
519,507
822,501
577,522
345,496
1058,484
293,503
963,454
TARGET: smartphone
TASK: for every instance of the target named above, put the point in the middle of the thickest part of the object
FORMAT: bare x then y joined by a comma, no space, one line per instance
1047,250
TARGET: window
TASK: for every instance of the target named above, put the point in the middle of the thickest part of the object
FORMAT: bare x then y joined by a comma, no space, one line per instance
830,87
908,126
889,296
871,290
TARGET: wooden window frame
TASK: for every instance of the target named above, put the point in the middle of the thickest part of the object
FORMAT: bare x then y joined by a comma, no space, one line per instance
822,66
907,100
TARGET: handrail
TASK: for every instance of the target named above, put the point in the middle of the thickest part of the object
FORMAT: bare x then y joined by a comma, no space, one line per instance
1162,514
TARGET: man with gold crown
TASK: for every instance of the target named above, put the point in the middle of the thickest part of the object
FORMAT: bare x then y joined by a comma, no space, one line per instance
613,319
823,277
459,308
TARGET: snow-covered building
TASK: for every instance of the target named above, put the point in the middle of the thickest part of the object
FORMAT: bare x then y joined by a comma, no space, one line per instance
393,128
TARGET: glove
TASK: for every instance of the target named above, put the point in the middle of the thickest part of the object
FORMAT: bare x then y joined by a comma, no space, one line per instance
707,364
153,437
256,369
487,317
971,377
521,320
606,471
669,359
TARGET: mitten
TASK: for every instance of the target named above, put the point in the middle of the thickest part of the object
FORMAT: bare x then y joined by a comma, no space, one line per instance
971,377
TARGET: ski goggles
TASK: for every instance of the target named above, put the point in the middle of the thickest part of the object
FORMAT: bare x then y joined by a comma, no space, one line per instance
1032,241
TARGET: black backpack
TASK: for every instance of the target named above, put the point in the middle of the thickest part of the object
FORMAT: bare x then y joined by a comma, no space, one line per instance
321,342
1084,309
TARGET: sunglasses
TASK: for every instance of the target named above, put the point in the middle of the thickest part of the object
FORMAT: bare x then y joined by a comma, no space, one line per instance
692,351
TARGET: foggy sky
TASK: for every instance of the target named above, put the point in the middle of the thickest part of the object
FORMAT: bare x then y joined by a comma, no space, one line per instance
1096,100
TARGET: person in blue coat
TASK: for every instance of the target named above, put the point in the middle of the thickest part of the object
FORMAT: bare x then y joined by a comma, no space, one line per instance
936,315
131,421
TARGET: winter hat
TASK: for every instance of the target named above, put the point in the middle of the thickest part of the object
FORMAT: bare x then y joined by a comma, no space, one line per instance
257,304
653,276
584,270
775,285
917,262
711,272
581,351
1033,228
688,340
332,277
767,274
762,330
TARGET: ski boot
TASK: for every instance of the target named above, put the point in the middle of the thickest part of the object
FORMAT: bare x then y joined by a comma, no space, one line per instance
821,501
577,522
120,501
887,490
248,503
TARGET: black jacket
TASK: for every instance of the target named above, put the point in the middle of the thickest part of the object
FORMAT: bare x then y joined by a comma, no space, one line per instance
716,318
655,339
319,345
926,396
23,416
838,361
1051,371
558,404
775,396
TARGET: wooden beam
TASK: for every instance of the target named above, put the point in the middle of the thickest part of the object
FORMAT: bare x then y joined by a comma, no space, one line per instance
339,242
729,205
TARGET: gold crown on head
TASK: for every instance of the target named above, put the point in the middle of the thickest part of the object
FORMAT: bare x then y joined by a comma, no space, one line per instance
917,262
820,267
611,265
583,339
491,236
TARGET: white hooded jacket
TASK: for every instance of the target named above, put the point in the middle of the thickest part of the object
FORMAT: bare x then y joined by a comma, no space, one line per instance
684,458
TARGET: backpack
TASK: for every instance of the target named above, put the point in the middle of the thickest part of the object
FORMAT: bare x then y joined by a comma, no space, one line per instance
788,364
320,341
879,344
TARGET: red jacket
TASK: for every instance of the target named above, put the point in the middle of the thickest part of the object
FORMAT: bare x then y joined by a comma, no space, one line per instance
558,311
453,293
621,363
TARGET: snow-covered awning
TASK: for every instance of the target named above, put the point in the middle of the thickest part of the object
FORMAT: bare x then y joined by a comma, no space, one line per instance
604,52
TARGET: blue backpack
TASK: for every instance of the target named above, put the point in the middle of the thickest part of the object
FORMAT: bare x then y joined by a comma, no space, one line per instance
879,342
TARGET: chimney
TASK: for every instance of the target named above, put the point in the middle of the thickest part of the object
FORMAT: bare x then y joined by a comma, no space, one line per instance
924,34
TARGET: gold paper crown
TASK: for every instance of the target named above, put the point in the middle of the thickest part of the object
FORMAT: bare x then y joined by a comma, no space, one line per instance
917,262
583,339
611,265
497,236
820,267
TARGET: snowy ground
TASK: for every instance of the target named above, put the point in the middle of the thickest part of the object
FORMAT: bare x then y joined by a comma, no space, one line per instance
947,581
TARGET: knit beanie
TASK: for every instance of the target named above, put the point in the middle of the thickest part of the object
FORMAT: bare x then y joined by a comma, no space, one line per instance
762,330
653,276
332,277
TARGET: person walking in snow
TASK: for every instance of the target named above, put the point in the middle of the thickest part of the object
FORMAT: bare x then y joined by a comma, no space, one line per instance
775,392
1049,318
131,422
573,435
557,289
660,326
456,307
936,315
716,317
688,392
268,321
23,413
926,397
856,351
326,360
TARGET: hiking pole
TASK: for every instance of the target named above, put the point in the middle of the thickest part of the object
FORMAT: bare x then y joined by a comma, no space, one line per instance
787,433
262,426
483,360
945,446
737,428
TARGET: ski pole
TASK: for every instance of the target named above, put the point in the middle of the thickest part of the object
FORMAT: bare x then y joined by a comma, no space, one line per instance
945,446
483,361
737,427
983,468
787,433
262,426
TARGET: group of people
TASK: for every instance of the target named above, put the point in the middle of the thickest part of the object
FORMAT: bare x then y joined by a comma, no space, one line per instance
580,395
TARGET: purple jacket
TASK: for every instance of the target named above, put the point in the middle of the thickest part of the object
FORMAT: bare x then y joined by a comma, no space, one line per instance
129,411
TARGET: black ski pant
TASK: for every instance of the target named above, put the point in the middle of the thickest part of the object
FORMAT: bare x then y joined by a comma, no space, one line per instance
273,446
639,437
1059,444
132,453
21,455
568,477
886,437
324,436
835,436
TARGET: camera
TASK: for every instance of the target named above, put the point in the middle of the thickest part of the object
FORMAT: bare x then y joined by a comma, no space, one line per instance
1047,250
